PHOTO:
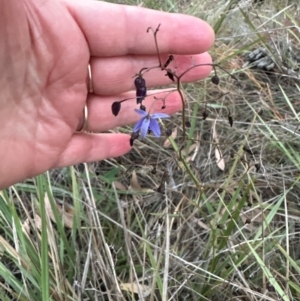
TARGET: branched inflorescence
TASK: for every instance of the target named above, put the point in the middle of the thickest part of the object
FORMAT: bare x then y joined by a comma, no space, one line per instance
148,122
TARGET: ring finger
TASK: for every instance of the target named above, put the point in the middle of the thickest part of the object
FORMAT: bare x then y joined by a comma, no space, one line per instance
101,118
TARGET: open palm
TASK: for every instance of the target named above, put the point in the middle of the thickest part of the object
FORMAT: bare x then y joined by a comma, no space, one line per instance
45,49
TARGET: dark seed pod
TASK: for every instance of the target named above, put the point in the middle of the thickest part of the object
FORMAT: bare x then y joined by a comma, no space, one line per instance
139,82
230,119
142,107
116,107
187,124
140,94
215,80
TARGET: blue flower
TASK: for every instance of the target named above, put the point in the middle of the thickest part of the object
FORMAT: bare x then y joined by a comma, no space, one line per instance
148,122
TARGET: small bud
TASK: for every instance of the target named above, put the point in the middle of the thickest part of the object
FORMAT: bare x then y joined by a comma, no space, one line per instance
248,221
270,288
153,171
116,107
142,107
187,124
133,137
248,150
230,119
257,167
170,75
215,80
170,59
204,114
168,132
260,112
161,189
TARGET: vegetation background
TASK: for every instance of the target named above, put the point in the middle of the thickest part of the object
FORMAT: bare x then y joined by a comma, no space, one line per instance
143,227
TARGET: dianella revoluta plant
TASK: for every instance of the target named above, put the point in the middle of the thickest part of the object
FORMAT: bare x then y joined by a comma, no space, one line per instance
148,122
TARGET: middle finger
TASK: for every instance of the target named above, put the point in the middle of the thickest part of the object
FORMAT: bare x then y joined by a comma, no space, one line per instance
114,75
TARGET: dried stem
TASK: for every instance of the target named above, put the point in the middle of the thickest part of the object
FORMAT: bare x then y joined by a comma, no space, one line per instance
155,39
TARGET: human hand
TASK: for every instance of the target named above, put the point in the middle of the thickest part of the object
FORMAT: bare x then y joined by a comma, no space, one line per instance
45,49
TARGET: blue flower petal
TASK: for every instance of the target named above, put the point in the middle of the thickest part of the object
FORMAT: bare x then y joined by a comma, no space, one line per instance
145,126
160,115
154,127
141,112
148,122
138,125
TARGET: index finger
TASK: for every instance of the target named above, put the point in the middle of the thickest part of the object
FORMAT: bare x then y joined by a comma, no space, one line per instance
116,30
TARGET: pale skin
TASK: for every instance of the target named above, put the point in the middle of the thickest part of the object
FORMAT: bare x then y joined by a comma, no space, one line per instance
45,48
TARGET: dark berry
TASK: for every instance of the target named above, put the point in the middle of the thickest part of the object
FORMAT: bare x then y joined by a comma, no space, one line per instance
139,82
140,94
